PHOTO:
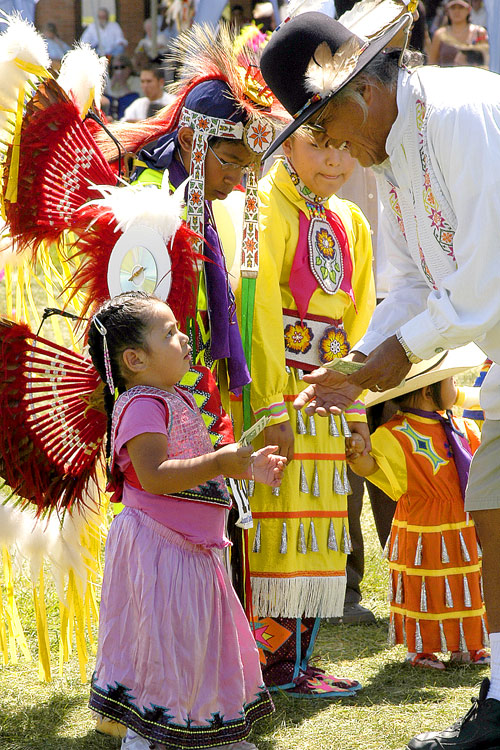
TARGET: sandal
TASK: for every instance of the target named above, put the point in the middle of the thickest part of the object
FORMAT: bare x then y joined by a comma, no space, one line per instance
428,661
315,683
480,657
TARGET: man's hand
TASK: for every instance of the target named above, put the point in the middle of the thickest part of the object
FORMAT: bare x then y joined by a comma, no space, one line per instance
329,392
384,368
282,436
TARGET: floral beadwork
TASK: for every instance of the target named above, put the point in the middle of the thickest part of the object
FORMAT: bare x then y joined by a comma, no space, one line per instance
333,344
298,338
325,255
443,232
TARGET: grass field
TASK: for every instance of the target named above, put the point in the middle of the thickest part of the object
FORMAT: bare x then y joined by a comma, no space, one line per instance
396,702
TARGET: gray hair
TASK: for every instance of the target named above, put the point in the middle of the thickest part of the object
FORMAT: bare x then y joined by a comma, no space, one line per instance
382,71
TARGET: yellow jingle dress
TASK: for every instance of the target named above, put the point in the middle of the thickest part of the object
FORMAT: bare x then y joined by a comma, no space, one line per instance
299,541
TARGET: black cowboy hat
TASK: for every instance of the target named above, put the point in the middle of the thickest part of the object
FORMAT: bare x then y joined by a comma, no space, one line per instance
286,57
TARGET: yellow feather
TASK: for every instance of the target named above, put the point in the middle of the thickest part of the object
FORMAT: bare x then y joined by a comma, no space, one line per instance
327,72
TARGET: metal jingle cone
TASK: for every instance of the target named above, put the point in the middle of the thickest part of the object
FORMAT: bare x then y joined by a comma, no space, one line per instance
467,596
346,545
275,491
418,638
345,426
442,638
385,551
311,425
448,599
257,539
284,539
347,486
288,370
395,548
251,487
399,589
304,487
418,551
481,587
463,547
462,646
332,426
445,558
315,487
392,631
479,550
338,485
486,637
423,596
301,542
301,425
403,626
313,542
300,374
332,539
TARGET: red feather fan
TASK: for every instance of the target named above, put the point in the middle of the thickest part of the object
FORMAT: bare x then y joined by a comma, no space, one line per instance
52,424
59,164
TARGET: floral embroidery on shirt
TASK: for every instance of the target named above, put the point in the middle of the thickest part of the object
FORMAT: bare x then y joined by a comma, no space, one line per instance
393,200
442,231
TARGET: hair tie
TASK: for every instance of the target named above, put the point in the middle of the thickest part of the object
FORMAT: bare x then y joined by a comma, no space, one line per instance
107,361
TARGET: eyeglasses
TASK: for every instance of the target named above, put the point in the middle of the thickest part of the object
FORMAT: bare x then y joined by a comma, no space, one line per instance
119,67
228,166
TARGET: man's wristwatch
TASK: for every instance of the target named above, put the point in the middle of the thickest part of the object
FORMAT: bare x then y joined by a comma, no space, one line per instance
411,357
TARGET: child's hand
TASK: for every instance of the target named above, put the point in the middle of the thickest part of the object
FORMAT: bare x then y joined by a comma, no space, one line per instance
354,447
267,466
234,460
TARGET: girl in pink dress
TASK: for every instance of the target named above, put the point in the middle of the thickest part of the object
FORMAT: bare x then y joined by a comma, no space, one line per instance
177,663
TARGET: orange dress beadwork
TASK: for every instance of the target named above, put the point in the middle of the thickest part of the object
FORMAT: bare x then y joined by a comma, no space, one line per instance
435,586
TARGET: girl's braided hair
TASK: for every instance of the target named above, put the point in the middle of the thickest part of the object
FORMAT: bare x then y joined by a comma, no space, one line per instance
125,319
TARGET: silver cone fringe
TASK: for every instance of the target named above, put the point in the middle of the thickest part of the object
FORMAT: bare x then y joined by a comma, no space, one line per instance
301,425
315,487
445,558
347,486
311,425
251,487
287,370
467,596
479,550
300,374
338,485
395,548
442,638
332,539
486,637
467,518
448,599
423,596
275,491
403,627
481,587
301,542
418,551
462,645
304,487
385,551
284,540
332,427
399,589
256,540
463,547
313,542
345,426
418,638
392,631
346,545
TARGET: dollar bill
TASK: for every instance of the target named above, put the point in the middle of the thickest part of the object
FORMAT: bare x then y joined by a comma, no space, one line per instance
249,435
345,366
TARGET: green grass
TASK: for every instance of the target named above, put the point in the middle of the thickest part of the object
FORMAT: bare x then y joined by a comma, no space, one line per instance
396,702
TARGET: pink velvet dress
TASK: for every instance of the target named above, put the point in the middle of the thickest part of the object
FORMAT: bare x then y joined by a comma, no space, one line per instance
176,662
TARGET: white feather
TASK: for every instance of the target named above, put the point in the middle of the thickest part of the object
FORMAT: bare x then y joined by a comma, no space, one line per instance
145,205
22,40
296,7
326,72
83,75
370,18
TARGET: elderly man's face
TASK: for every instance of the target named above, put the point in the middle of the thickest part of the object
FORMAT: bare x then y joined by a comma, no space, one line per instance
364,138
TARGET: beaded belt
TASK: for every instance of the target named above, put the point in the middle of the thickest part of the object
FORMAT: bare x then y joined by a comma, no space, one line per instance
313,341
